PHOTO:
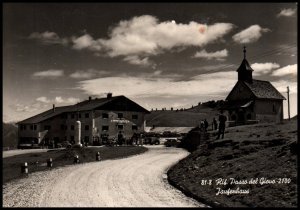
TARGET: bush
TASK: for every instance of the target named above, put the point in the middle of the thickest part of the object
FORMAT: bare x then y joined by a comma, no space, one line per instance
193,139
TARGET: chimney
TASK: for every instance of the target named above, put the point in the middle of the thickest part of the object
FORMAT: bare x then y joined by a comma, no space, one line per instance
109,95
90,98
53,107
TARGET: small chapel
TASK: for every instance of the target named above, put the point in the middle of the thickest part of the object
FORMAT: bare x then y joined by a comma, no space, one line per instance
253,101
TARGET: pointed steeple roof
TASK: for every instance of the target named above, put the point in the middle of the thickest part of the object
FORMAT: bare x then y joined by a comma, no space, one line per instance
245,66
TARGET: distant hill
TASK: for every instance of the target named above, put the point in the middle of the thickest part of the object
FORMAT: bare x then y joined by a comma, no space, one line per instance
181,118
202,107
10,135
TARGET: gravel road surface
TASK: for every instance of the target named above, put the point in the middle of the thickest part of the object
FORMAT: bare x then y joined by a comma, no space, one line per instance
136,181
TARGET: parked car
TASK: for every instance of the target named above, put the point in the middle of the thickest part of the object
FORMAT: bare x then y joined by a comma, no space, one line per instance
174,142
64,144
152,140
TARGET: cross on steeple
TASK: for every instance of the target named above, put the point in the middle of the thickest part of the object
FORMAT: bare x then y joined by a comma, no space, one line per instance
244,52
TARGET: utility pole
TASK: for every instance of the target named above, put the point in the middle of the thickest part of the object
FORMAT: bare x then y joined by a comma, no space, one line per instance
288,95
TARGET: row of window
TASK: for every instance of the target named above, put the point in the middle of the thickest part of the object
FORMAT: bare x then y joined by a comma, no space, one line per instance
32,127
86,115
87,127
65,127
104,116
120,115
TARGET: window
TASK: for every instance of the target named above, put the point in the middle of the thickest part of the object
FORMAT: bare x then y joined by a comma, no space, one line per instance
72,116
120,115
24,127
104,115
134,116
72,127
86,139
87,115
47,127
120,127
64,116
105,128
86,127
31,127
134,127
79,115
35,127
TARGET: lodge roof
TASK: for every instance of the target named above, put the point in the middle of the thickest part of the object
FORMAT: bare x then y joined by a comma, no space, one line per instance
86,105
264,90
259,89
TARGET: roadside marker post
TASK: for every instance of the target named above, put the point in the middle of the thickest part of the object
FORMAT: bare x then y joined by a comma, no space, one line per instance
49,163
24,168
76,159
98,158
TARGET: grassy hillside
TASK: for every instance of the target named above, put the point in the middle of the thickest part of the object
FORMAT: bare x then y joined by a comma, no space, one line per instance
10,135
254,151
188,118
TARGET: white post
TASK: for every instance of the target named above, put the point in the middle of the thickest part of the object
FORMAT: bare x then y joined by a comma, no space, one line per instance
144,125
288,96
78,133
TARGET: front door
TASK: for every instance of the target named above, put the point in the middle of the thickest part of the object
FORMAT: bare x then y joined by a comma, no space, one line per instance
241,117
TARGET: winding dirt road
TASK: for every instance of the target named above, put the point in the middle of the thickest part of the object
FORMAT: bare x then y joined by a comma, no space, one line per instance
137,181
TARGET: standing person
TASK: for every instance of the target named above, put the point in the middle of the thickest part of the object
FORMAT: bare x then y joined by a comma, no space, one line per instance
141,139
120,138
205,125
222,120
215,124
202,125
136,138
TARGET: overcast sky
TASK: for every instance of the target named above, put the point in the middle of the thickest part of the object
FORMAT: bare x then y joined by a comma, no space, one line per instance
157,54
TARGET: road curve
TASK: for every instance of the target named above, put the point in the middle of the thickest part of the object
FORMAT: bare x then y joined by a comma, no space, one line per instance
136,181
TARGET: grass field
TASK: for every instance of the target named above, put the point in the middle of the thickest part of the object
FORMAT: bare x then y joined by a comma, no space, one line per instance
255,151
11,167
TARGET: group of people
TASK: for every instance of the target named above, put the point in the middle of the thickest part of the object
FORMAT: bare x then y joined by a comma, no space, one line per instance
204,125
222,120
120,139
137,139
